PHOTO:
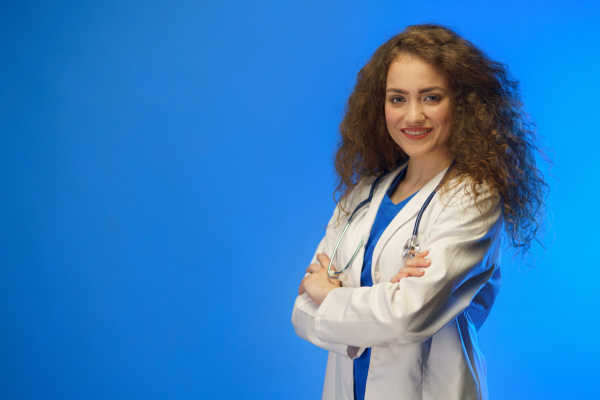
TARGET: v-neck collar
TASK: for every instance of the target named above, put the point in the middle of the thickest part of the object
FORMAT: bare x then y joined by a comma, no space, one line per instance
409,211
387,199
407,214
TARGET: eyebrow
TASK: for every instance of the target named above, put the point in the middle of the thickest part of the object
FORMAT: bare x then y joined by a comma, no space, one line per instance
426,90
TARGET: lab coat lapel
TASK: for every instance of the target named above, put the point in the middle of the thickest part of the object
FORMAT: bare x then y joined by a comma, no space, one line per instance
380,191
406,215
366,222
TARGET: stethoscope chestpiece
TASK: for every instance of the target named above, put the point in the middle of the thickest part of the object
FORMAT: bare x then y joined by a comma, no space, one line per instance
411,248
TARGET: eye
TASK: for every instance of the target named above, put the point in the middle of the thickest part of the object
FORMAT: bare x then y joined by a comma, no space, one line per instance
397,99
432,97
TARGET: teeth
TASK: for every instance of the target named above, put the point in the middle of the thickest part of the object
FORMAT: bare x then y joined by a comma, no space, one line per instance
415,133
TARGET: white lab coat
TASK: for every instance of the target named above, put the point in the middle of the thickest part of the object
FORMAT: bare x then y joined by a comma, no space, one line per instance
422,330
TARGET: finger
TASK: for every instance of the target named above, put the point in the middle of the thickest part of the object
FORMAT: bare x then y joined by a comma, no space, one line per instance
422,254
324,260
417,262
399,276
411,271
301,288
313,268
406,272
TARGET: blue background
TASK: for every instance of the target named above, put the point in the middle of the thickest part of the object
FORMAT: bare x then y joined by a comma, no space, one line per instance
166,173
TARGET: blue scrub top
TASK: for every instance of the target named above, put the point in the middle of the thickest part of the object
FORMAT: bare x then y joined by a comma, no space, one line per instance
386,213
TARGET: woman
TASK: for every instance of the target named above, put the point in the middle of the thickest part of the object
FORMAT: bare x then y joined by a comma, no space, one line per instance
430,116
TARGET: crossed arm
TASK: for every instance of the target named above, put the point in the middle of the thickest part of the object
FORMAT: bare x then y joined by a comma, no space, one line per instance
318,284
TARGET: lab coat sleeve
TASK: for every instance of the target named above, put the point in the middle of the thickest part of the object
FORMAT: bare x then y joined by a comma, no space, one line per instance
305,309
463,248
303,319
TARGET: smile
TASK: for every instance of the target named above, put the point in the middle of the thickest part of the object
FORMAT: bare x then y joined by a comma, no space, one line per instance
416,134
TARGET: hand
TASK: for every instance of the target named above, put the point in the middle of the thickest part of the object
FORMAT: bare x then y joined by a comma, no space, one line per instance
318,284
413,267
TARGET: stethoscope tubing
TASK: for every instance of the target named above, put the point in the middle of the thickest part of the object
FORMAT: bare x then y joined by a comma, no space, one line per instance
410,247
364,202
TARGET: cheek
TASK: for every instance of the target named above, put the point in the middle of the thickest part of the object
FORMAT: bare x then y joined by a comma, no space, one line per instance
391,117
442,116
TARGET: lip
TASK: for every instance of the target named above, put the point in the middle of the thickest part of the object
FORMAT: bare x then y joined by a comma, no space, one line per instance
418,133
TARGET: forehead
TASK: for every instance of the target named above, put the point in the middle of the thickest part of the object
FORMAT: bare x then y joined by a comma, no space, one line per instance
408,71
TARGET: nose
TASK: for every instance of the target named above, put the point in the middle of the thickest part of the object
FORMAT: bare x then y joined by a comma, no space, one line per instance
415,114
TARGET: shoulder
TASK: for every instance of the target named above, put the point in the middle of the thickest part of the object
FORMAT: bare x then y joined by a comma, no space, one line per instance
466,201
463,192
366,183
349,203
358,193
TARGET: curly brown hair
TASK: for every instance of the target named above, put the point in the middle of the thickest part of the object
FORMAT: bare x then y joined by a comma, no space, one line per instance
492,140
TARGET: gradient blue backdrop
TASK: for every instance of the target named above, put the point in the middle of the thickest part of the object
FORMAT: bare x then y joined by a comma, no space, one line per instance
166,174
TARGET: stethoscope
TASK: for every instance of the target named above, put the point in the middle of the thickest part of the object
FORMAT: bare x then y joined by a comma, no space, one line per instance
412,246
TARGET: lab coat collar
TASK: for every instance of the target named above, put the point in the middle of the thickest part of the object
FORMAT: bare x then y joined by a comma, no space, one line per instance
406,215
364,228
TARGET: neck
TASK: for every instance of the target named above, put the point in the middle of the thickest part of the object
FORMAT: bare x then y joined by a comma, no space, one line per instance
420,171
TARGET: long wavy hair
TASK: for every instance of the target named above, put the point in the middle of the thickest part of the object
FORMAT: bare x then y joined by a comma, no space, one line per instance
492,140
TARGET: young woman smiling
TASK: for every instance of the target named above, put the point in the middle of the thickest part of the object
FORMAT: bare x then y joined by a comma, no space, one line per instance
436,158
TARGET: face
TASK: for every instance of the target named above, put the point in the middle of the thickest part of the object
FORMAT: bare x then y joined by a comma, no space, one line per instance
417,109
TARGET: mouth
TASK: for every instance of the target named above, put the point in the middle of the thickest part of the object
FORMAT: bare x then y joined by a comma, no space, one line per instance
416,133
